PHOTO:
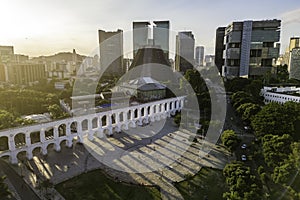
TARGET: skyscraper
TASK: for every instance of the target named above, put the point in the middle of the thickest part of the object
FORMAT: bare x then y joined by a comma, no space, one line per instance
199,57
140,35
161,36
185,45
111,51
251,48
219,48
294,58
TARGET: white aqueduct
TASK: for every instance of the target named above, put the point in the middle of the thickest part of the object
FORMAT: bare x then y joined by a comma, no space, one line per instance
38,137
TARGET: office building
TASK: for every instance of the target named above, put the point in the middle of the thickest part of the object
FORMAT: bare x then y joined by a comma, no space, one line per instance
199,56
140,35
143,35
111,51
24,73
294,63
251,48
161,36
209,60
185,45
219,48
6,54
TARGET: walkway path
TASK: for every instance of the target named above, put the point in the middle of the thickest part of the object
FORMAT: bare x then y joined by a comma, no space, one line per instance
159,159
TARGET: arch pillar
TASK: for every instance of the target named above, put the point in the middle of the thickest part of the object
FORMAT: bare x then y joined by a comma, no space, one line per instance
55,132
44,149
11,142
27,139
68,129
57,146
42,135
13,158
139,116
29,155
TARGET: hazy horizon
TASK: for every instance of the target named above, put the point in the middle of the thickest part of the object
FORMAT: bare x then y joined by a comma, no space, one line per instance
38,28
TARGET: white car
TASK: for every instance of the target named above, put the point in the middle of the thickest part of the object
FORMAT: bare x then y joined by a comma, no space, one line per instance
244,146
244,157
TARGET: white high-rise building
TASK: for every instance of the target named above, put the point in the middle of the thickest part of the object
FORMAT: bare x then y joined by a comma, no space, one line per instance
199,57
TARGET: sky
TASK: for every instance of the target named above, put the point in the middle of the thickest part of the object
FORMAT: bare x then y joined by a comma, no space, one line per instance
45,27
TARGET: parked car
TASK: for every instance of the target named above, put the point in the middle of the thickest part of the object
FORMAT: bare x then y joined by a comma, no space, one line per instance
244,146
244,157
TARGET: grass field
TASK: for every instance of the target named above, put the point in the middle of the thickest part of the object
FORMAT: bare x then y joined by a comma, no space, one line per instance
208,183
96,185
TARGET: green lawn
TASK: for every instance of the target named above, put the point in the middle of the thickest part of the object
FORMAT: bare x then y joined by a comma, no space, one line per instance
208,183
96,185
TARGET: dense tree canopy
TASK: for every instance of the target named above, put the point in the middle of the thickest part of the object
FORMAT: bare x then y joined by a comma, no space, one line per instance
230,140
273,119
276,148
242,183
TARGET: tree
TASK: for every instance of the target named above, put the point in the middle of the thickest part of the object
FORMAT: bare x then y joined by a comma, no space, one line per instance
230,140
7,119
237,84
276,149
272,119
250,111
283,173
241,182
56,112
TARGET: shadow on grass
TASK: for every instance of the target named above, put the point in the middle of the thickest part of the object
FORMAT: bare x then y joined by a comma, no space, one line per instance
208,183
96,185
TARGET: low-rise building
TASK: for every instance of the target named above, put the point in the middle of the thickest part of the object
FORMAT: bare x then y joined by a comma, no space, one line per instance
281,94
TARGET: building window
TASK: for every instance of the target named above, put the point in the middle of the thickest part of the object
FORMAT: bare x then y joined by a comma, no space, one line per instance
255,53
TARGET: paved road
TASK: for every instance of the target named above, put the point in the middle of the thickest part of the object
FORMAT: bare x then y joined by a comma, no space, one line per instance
19,184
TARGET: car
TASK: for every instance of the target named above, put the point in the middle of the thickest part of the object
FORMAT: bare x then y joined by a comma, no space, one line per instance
244,157
244,146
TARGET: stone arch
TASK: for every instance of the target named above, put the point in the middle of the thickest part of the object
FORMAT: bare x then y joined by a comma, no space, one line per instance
95,122
121,119
63,143
4,143
124,126
73,127
129,114
22,155
5,157
106,131
20,140
50,146
35,137
49,133
36,151
135,113
113,118
143,112
84,125
165,106
62,130
103,119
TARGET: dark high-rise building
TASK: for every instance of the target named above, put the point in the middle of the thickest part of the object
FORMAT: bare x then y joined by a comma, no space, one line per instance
161,36
185,45
251,48
111,51
219,48
140,35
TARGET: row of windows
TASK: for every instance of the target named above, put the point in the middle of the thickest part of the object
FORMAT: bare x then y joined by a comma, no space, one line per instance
285,98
